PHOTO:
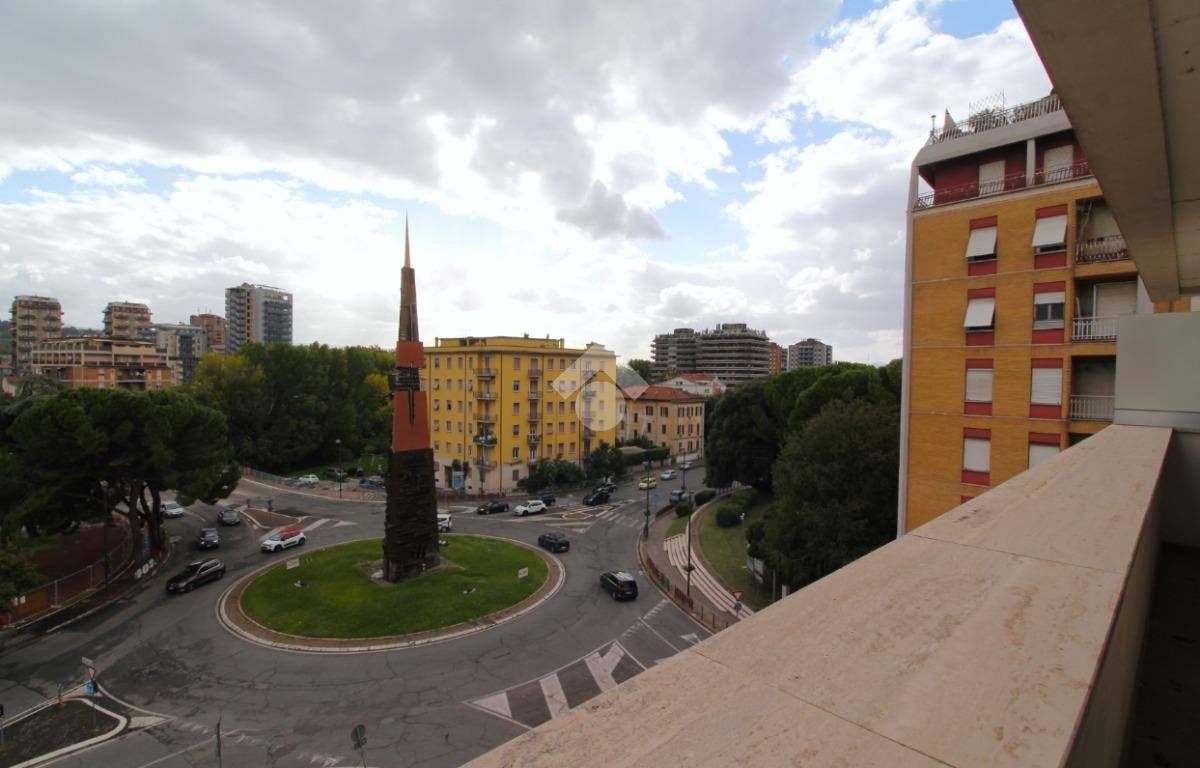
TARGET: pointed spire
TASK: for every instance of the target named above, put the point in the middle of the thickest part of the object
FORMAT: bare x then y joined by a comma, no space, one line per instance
407,259
408,295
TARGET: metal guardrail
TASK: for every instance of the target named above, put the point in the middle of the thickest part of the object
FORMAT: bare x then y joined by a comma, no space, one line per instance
1098,250
66,589
1009,183
990,119
1094,329
1092,407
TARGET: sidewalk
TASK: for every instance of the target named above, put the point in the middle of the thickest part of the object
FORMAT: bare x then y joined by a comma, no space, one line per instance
701,604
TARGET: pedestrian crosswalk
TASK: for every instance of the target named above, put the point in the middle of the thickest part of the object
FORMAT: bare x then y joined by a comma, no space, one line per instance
534,702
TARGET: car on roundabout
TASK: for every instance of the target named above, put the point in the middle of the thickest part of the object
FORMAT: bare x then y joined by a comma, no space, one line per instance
491,507
209,538
619,585
229,516
678,495
197,573
554,542
647,483
668,474
531,507
444,523
288,537
596,497
171,509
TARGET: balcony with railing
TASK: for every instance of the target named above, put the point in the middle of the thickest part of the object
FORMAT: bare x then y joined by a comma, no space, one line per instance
1091,407
535,373
483,417
1094,329
533,438
1101,250
533,394
485,440
485,373
534,415
588,393
485,395
991,119
484,463
960,192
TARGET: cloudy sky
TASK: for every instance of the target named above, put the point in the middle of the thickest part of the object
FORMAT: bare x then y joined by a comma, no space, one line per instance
598,171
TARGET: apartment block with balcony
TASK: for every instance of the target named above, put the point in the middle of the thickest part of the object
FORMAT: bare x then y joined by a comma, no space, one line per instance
257,314
128,320
733,352
106,363
1018,274
216,330
183,343
500,404
34,320
808,353
670,418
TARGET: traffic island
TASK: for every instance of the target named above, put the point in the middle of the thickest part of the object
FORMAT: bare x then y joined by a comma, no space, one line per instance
57,729
332,599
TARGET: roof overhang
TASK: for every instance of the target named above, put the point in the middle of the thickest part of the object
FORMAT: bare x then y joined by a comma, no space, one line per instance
1128,75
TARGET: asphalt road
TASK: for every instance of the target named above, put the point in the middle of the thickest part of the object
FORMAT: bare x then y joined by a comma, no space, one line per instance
435,705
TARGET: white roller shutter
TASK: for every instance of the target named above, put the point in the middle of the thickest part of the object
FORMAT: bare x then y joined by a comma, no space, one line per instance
1114,299
1196,303
1057,159
1053,297
977,454
980,313
1047,386
1050,231
1039,452
991,177
979,385
982,243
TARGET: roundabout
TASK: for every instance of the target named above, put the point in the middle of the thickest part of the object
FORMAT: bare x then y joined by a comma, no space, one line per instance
333,599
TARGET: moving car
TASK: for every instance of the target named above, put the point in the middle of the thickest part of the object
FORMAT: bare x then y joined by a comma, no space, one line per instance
555,542
209,539
548,499
596,497
647,483
668,474
531,507
445,524
491,507
288,537
172,509
608,486
229,516
687,465
678,495
197,573
619,584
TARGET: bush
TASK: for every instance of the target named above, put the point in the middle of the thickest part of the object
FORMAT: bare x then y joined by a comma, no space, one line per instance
728,515
684,508
705,496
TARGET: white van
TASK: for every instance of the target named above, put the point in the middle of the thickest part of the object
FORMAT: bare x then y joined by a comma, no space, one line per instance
444,523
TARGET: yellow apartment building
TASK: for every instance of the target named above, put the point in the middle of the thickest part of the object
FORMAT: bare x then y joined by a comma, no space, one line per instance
105,363
1016,274
670,417
500,404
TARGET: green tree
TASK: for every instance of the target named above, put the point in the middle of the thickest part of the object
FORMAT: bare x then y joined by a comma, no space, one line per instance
16,576
604,461
642,368
835,490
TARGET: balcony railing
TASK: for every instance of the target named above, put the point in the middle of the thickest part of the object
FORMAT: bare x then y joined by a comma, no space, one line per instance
483,463
485,440
485,395
1092,407
1094,329
535,395
534,439
991,119
535,373
485,418
972,190
1098,250
588,393
485,373
535,416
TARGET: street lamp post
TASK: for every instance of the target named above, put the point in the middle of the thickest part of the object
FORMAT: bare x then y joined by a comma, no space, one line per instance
646,527
338,443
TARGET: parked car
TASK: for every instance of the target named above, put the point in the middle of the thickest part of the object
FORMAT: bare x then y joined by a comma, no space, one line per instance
555,542
619,584
596,497
308,481
197,573
288,537
491,507
172,509
445,524
531,507
548,499
668,474
229,516
335,474
687,465
647,483
678,495
355,471
374,483
208,539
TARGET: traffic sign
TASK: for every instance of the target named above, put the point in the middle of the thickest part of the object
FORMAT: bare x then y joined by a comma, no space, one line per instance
90,687
523,573
358,736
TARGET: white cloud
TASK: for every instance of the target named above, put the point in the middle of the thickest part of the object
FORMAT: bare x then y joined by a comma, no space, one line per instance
94,175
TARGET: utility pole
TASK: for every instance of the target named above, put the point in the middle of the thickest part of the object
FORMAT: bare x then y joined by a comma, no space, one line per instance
646,527
338,443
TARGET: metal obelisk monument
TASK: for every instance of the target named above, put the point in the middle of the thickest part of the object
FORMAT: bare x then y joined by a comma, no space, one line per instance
410,539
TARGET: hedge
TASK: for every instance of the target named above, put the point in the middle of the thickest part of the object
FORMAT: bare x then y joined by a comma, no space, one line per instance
705,496
728,516
684,508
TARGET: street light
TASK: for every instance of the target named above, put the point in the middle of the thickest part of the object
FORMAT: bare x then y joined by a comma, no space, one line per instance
338,443
646,527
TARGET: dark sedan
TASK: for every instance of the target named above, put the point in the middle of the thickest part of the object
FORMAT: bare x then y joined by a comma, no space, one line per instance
194,575
491,507
555,542
209,539
596,497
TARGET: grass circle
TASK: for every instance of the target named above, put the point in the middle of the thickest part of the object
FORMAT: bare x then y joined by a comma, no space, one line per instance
339,599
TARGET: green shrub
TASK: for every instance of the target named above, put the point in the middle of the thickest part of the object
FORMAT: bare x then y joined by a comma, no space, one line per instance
705,496
684,508
728,516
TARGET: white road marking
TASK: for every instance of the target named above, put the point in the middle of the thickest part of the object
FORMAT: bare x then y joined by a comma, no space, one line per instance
314,526
556,699
691,638
659,635
342,523
497,702
602,667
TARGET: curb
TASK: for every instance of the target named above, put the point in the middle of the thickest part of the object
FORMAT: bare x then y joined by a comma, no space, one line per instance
71,749
437,636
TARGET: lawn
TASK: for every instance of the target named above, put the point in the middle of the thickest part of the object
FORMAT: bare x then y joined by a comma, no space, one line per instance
678,526
371,464
52,728
725,551
340,600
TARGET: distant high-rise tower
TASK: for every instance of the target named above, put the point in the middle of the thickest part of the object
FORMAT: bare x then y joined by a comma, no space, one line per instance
257,314
410,543
809,353
128,320
34,319
215,328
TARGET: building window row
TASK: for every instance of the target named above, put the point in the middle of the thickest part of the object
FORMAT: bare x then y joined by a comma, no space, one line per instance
977,453
1045,388
1049,241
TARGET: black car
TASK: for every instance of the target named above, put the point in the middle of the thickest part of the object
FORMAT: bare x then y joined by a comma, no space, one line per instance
229,516
491,507
596,497
374,482
548,499
200,572
619,584
209,539
608,487
555,542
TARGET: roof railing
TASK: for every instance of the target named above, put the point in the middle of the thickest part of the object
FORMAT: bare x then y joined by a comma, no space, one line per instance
990,119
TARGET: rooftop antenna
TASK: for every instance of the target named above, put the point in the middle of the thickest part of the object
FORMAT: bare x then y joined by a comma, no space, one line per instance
932,124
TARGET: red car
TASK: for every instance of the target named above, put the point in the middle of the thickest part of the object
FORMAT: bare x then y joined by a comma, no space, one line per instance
288,537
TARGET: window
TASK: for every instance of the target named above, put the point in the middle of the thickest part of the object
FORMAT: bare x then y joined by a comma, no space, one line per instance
979,385
1057,162
516,363
516,385
991,177
1048,310
516,475
981,314
664,429
1039,452
516,453
1046,385
977,454
437,383
981,245
436,425
516,430
437,445
437,362
1050,232
516,409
